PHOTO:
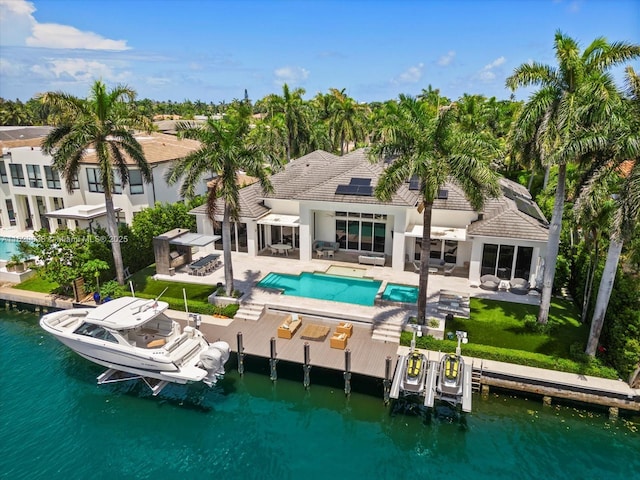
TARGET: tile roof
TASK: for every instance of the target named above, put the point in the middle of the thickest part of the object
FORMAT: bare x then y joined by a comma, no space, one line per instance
157,147
316,176
502,218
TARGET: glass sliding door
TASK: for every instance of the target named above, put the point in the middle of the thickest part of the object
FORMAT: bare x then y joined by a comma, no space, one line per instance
489,259
505,261
523,262
366,236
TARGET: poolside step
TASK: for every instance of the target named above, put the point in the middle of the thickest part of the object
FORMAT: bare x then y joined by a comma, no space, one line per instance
388,331
249,311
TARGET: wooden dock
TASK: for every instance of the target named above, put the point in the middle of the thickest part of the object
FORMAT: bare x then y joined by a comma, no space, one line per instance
368,356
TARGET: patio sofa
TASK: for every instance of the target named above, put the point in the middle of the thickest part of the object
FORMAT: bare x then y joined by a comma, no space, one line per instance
325,245
519,286
489,282
289,327
371,260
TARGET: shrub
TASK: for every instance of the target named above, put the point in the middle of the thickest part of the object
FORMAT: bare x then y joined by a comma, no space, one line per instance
593,367
532,325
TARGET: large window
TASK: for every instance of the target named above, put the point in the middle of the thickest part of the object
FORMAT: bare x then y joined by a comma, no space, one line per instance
17,175
238,237
53,179
35,176
135,182
506,261
93,178
361,231
3,173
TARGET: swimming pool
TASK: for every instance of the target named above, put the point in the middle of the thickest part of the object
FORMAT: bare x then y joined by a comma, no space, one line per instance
8,246
360,291
400,293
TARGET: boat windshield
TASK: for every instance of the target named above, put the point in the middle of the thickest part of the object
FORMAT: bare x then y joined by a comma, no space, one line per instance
95,331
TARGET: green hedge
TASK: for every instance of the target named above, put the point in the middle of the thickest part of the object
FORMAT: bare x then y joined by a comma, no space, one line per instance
591,367
196,306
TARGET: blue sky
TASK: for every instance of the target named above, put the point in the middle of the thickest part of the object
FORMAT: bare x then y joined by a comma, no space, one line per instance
214,50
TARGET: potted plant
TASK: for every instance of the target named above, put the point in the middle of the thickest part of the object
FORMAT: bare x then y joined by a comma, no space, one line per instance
17,262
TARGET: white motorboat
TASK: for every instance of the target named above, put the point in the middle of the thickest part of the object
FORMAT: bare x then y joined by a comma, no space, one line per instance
134,335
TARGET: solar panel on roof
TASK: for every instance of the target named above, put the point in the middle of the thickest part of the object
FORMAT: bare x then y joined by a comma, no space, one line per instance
360,181
528,208
414,183
443,194
359,190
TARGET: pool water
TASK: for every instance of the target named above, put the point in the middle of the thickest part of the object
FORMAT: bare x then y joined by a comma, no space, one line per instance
360,291
8,247
400,293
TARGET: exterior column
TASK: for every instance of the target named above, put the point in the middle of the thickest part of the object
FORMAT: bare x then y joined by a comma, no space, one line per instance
305,233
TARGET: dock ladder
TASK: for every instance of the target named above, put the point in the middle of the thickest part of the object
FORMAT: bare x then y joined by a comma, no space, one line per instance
476,376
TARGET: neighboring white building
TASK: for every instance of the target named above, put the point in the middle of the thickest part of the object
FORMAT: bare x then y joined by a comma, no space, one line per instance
33,196
321,196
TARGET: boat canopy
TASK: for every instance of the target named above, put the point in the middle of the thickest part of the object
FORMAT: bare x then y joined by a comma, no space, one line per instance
126,312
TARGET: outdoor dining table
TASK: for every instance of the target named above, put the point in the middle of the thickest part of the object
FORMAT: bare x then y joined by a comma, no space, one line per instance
282,248
204,261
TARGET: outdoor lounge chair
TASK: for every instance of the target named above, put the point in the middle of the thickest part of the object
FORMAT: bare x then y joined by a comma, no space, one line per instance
519,286
449,268
489,282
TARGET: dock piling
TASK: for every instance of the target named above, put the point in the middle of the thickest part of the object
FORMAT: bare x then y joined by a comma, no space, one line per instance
306,367
387,379
347,372
240,354
273,360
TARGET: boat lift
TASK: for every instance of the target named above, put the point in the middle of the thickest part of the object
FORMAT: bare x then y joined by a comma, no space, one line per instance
115,376
430,392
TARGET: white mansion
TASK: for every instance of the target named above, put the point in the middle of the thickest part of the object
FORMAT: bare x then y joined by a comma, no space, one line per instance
324,197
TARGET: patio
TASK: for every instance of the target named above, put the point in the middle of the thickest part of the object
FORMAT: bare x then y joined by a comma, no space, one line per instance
248,271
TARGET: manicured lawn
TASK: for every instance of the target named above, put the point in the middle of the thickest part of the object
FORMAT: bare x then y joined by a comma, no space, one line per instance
144,283
501,324
37,284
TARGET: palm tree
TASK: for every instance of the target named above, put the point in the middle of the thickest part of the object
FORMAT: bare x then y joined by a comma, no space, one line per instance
617,144
292,106
428,145
347,120
571,98
103,122
225,150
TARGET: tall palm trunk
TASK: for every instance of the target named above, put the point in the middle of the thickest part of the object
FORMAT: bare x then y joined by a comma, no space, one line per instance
425,253
604,293
593,263
553,246
226,251
112,229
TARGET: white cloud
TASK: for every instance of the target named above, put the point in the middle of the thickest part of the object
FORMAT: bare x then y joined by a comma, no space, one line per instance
445,60
8,69
78,69
487,73
20,28
410,75
291,75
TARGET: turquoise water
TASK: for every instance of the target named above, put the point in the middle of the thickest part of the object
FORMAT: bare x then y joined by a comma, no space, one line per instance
395,292
8,247
361,291
57,424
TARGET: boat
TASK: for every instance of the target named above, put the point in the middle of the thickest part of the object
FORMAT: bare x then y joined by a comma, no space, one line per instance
450,379
135,336
415,371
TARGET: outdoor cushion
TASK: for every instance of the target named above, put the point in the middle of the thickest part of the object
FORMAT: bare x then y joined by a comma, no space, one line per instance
489,282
